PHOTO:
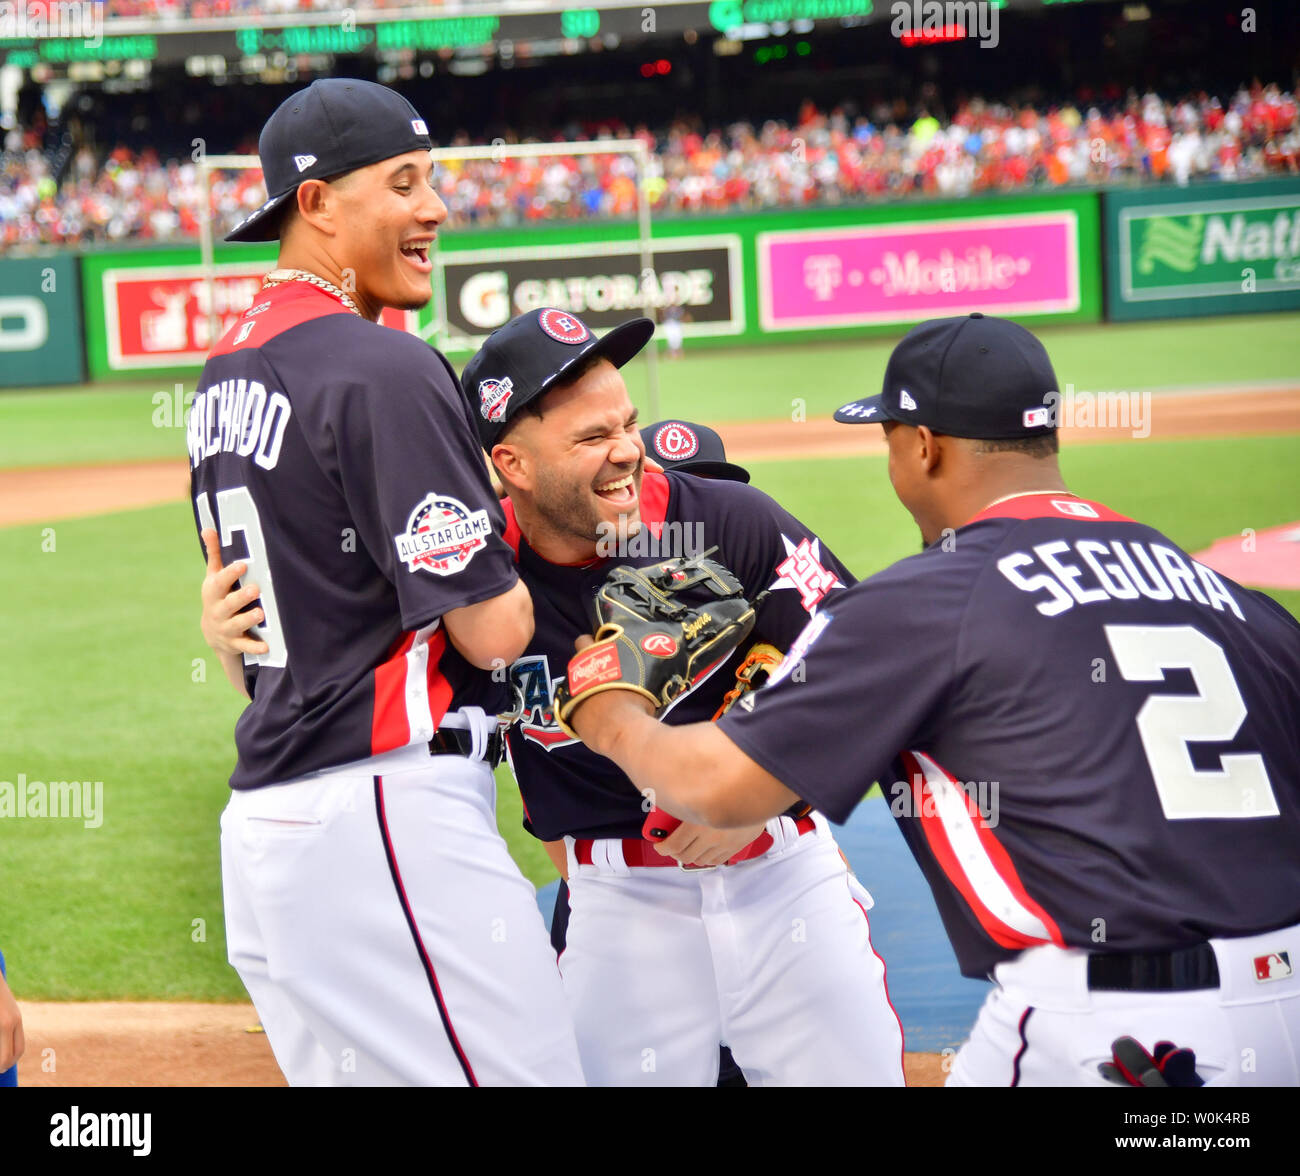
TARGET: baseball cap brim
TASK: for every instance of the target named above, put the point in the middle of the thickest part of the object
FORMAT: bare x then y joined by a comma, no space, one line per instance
263,224
870,410
713,469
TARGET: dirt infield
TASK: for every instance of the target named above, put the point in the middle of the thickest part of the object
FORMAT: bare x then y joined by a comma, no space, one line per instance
161,1044
51,493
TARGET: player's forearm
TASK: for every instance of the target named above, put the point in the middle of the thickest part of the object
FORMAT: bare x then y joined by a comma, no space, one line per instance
693,772
233,665
494,632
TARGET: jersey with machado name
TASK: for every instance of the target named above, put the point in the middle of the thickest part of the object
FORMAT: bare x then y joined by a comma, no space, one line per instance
1087,737
339,459
568,790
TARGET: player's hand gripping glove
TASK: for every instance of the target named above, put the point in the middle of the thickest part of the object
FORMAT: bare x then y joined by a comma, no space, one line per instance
1167,1065
649,641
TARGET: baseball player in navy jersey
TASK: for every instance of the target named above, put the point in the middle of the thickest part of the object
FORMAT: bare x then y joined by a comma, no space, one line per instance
766,945
1088,738
372,910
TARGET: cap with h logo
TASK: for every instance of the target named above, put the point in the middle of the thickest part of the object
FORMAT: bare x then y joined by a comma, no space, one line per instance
530,355
333,126
969,376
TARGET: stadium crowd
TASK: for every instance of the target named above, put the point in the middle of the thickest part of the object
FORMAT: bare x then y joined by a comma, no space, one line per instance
819,157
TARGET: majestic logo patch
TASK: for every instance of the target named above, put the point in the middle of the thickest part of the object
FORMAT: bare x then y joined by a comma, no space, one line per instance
1080,510
1034,418
531,677
493,396
802,570
303,162
244,332
659,644
563,327
442,535
905,401
1274,966
417,125
676,442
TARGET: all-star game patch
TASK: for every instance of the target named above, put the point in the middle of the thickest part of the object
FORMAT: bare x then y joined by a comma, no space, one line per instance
563,327
494,396
442,535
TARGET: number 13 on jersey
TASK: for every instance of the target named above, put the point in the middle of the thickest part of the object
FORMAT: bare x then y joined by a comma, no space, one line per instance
238,512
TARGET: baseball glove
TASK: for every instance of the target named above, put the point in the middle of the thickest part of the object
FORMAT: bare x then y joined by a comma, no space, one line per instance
650,641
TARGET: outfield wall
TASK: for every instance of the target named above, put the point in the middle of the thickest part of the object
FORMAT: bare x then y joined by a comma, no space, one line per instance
780,275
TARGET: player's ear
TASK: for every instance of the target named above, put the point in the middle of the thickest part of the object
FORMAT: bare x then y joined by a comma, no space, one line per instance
927,448
512,466
315,205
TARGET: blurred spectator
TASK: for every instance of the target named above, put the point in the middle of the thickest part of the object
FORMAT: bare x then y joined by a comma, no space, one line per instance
822,158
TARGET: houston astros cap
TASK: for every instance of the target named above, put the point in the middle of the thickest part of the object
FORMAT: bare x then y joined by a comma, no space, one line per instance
684,445
529,356
333,126
969,376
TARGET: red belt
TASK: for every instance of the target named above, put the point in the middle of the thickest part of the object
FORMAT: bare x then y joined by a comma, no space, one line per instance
639,852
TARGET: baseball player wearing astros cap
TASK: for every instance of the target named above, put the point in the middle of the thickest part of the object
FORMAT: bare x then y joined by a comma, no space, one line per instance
767,947
372,909
1132,713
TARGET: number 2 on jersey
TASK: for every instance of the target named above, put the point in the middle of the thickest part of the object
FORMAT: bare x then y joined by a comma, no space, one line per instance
238,512
1167,723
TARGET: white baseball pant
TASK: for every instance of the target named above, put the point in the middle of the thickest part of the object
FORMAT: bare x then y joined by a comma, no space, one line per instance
1041,1026
771,957
384,933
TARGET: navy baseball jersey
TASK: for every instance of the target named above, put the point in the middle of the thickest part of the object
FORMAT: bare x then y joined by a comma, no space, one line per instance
1088,738
340,460
569,790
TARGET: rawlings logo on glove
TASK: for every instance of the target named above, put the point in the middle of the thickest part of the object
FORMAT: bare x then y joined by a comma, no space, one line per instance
649,641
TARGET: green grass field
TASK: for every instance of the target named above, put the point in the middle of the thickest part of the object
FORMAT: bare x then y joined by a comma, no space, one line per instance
108,678
135,419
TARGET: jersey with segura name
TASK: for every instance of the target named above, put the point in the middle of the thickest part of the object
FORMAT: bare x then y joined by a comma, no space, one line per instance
569,790
339,459
1087,738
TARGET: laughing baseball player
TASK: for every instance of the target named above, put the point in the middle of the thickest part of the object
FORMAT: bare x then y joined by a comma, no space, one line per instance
1137,899
372,910
765,946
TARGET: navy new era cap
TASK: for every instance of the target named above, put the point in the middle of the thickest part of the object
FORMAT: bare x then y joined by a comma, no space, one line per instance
969,376
335,125
697,449
530,355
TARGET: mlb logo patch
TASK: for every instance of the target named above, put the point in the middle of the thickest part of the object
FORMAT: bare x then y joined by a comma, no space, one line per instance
1080,510
1274,966
417,125
1035,418
303,162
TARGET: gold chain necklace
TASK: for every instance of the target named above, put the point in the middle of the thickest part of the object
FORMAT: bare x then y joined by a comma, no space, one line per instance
280,276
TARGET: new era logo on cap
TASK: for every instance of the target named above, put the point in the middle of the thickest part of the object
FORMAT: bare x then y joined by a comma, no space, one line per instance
303,162
905,401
